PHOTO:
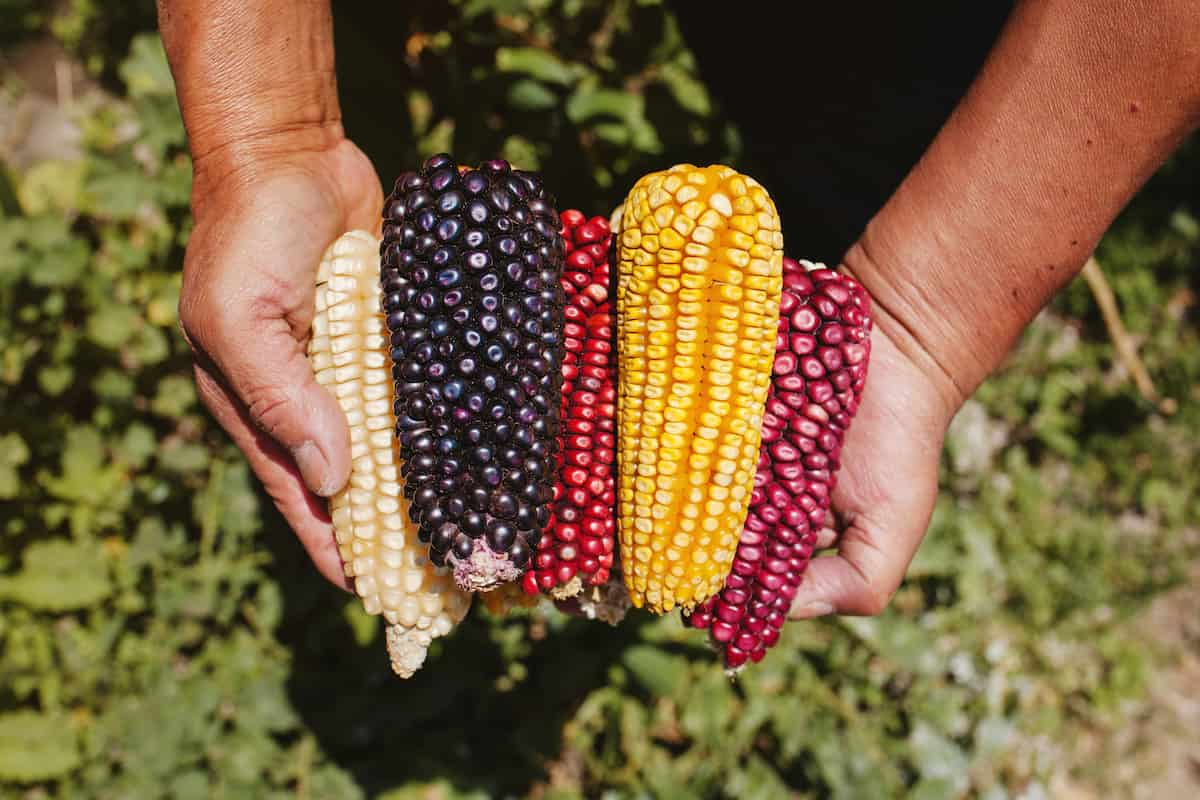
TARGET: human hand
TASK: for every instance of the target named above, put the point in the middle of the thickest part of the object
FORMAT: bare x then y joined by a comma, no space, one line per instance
887,484
261,226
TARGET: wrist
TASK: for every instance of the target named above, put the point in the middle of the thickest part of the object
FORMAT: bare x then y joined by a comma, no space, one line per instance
915,325
255,81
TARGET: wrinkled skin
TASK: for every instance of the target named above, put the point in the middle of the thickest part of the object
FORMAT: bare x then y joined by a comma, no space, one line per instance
886,486
246,306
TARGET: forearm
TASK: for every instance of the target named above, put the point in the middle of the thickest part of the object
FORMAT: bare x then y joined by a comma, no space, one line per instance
1076,106
254,78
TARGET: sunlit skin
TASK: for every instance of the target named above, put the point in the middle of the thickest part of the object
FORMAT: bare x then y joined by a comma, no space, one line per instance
1076,106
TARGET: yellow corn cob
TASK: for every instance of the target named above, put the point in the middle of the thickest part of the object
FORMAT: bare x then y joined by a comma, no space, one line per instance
348,350
698,287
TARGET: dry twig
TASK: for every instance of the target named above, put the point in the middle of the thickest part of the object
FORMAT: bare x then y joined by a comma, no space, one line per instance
1126,349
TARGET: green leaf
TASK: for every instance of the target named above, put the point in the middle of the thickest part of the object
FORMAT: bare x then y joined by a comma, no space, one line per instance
146,71
138,444
1185,225
474,8
520,152
13,454
59,575
113,325
584,104
658,671
190,786
52,186
540,64
36,747
119,195
758,780
939,760
113,386
9,204
686,89
55,378
184,457
708,707
364,626
148,345
529,95
175,397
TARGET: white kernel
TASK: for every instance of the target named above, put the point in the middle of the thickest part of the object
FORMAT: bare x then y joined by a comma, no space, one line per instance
345,343
377,392
346,310
410,610
392,539
363,480
338,328
322,360
413,578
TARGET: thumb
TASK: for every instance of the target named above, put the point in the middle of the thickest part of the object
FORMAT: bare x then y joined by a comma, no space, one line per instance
874,552
261,357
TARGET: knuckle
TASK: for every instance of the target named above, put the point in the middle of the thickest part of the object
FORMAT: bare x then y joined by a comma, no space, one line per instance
201,318
270,407
875,600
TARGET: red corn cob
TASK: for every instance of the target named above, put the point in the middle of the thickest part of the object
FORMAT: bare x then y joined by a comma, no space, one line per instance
821,355
577,546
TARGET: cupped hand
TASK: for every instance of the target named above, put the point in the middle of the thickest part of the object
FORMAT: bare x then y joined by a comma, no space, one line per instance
261,227
888,481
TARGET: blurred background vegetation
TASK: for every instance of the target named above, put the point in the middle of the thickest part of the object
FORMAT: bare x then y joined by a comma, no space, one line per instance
161,634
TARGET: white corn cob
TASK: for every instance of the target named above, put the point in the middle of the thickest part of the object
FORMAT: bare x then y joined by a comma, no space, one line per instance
378,543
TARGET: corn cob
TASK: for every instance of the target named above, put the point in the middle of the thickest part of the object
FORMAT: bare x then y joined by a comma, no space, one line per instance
821,355
577,548
506,598
472,260
348,350
699,280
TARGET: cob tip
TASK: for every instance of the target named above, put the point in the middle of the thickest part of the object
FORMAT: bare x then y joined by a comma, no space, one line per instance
483,570
608,602
406,648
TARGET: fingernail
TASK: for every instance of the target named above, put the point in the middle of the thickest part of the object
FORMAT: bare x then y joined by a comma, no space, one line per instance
817,608
313,467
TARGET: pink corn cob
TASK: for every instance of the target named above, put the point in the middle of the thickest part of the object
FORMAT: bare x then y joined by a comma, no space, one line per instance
576,549
821,354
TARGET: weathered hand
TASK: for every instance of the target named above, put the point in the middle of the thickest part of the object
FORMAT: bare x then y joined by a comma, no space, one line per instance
886,487
245,309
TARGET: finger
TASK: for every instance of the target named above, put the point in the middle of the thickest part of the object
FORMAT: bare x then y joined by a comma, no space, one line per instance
303,510
256,343
870,563
826,538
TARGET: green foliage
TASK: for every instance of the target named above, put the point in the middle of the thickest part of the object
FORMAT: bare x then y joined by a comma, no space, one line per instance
161,634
